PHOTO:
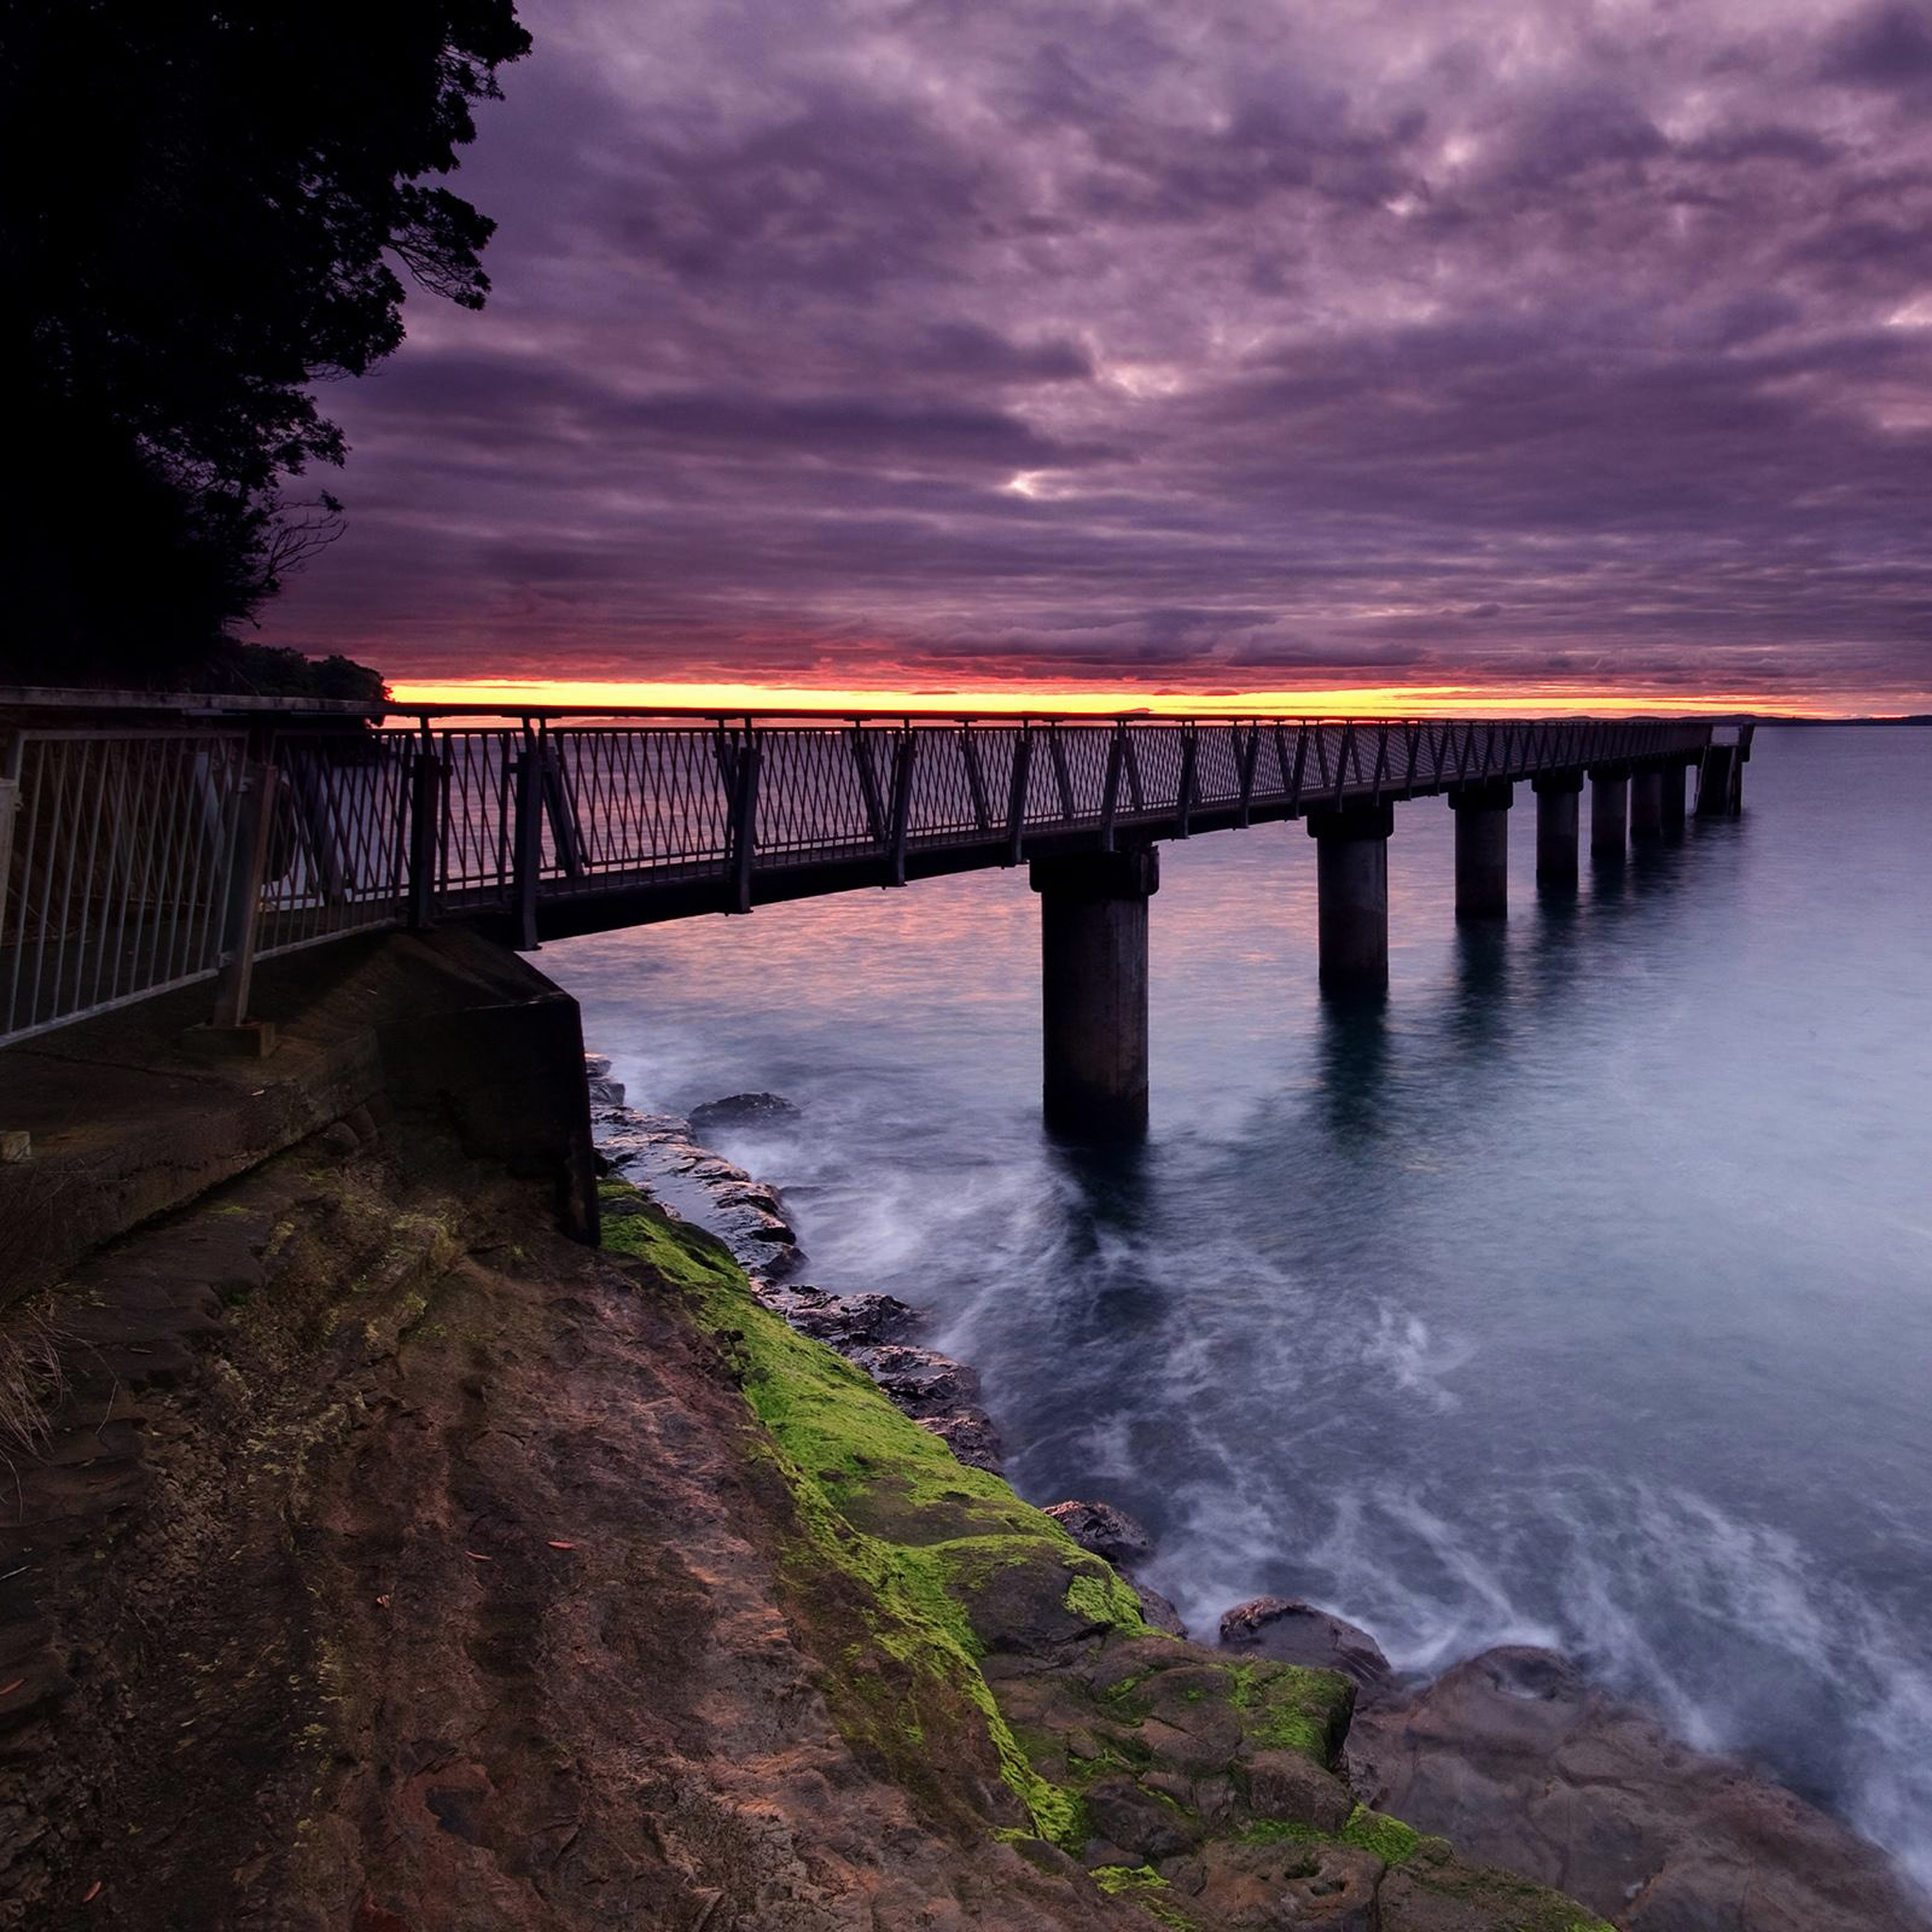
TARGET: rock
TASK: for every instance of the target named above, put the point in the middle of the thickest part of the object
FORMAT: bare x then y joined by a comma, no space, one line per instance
1107,1531
972,1438
1518,1759
1137,1820
1285,1784
1114,1535
742,1111
1331,1886
754,1225
844,1322
1297,1633
921,1381
1158,1610
605,1091
755,1195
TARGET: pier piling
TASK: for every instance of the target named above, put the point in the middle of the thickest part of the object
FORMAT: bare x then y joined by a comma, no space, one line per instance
1558,797
1352,898
1672,781
1610,811
1093,990
1482,849
1646,805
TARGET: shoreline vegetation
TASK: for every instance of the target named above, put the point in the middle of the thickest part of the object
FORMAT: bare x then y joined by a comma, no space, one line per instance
1515,1752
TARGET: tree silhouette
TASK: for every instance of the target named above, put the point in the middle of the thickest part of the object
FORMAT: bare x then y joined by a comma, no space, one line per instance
207,209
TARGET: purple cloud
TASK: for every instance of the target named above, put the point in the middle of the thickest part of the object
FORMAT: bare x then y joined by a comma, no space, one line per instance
1109,341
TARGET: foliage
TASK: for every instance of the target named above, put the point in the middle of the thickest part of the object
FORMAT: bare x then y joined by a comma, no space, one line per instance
207,209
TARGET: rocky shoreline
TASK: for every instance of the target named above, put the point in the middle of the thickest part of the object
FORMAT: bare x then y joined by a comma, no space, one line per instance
1513,1754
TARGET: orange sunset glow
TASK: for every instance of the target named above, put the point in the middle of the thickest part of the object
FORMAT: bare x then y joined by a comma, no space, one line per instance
1523,700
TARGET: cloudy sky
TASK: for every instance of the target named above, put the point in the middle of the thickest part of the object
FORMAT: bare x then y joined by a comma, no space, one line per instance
1225,345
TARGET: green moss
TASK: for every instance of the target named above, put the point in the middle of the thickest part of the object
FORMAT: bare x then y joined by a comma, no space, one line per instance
1119,1878
1168,1913
1392,1840
883,1503
1104,1600
1280,1831
1285,1708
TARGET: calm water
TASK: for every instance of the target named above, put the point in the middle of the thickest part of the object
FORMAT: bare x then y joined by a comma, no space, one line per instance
1584,1298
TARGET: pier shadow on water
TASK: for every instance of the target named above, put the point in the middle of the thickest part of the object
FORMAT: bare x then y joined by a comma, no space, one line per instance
1479,1016
1109,1187
1352,1069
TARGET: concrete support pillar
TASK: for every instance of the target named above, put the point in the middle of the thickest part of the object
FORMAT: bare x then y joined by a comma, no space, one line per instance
1482,849
1609,812
1671,780
1714,782
1556,799
1352,898
1646,805
1093,990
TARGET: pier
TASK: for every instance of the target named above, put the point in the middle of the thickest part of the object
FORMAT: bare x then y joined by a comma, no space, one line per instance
148,844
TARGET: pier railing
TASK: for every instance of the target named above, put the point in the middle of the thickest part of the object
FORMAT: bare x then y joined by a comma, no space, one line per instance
139,857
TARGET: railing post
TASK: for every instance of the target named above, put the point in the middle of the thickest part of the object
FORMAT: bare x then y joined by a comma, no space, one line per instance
902,801
565,834
13,753
1016,796
1184,792
527,849
1111,789
1341,763
1062,777
426,832
742,837
868,786
247,870
975,777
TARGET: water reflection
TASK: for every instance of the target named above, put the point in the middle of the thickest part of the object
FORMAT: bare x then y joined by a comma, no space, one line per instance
1108,1186
1352,1068
1478,1009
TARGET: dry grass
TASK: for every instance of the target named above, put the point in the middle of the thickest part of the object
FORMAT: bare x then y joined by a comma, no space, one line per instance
32,1379
34,1196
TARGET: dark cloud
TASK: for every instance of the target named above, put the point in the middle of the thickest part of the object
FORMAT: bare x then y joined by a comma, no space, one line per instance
1888,46
864,339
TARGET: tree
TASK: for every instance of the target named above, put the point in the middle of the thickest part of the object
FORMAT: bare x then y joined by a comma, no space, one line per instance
205,210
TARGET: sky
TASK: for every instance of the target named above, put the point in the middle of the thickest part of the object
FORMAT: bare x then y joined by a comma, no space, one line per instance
1566,353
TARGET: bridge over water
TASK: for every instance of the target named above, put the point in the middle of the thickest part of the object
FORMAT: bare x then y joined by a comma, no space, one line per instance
147,844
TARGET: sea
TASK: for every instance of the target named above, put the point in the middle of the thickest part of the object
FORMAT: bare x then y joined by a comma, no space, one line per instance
1579,1296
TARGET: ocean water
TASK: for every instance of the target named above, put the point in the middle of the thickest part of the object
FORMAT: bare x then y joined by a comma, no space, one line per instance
1581,1297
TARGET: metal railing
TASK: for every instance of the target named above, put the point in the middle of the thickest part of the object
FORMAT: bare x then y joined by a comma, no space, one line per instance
138,858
